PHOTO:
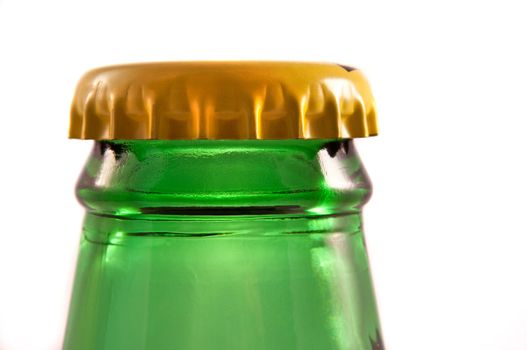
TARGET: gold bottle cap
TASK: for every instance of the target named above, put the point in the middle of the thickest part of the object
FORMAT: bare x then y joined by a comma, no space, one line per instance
223,100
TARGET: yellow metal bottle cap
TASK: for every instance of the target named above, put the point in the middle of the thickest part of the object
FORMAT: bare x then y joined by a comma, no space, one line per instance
223,100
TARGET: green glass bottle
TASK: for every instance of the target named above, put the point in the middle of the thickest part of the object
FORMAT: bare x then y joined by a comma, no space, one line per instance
226,240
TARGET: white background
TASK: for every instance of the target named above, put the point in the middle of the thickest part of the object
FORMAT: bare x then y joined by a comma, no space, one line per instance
446,227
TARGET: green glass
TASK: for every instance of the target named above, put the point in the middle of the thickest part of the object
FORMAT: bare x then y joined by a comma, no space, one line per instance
242,244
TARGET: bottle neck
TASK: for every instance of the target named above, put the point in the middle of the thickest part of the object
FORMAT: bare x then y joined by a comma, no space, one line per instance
223,178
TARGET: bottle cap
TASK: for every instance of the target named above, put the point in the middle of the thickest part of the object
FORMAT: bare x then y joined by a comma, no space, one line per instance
223,100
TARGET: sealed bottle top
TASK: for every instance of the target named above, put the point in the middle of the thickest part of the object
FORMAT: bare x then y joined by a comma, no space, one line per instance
223,208
223,100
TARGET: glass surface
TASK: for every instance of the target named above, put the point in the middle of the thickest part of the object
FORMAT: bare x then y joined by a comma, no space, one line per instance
252,244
